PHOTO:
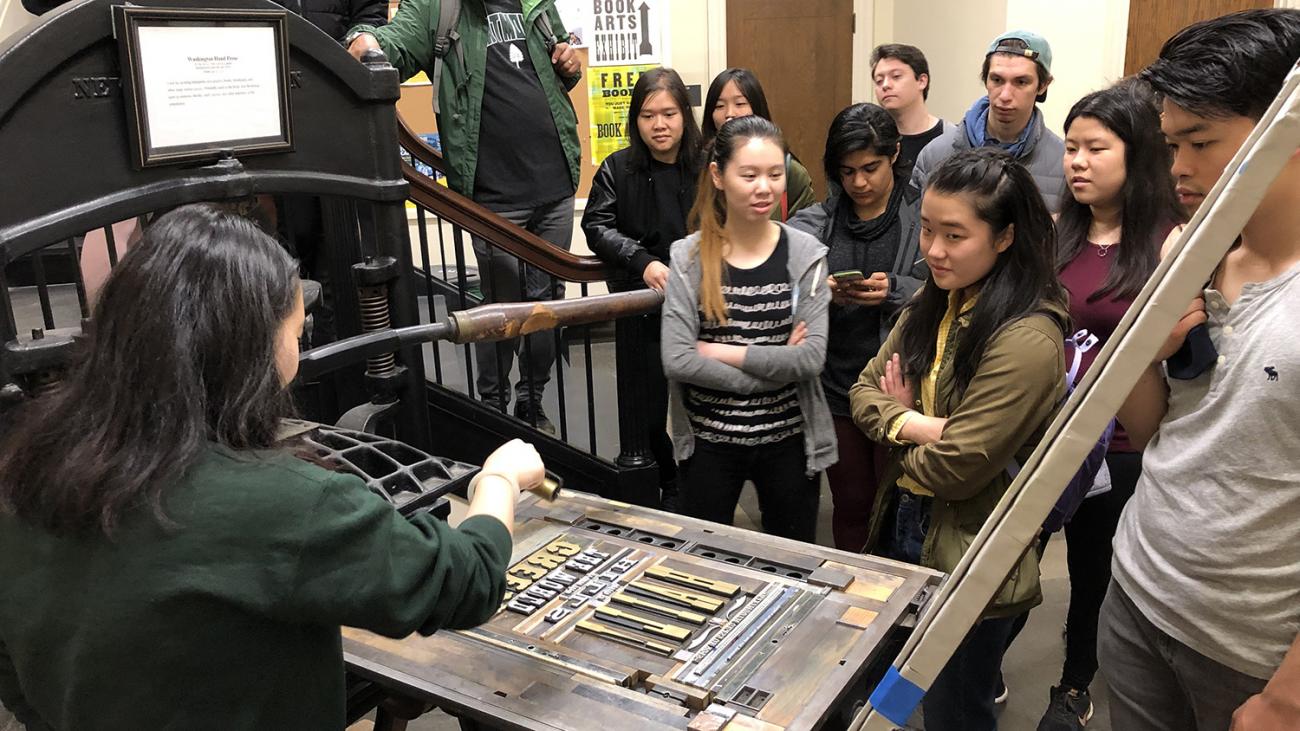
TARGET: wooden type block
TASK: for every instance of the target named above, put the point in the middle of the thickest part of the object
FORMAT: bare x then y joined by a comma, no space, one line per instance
713,718
857,617
867,583
644,624
833,578
526,571
749,723
696,699
682,578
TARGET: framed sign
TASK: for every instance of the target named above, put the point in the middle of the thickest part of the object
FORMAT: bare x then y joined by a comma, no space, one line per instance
200,84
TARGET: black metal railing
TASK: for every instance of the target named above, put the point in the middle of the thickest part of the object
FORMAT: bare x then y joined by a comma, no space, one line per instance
599,395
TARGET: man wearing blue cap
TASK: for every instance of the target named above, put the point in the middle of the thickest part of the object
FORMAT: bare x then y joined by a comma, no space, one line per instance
1017,71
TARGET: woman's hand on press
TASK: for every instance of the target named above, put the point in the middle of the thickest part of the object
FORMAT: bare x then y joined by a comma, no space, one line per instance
518,461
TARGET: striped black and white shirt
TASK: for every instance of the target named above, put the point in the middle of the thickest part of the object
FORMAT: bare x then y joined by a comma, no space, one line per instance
760,311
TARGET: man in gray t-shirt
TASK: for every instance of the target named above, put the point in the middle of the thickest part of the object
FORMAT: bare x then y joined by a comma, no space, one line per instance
1199,628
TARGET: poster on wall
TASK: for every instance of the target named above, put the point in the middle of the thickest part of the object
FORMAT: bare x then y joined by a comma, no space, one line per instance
576,16
624,32
610,96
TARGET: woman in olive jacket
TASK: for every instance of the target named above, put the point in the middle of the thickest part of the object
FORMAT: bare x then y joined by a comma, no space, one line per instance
967,382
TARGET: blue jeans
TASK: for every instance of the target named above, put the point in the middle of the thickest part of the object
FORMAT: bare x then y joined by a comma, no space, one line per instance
961,698
911,524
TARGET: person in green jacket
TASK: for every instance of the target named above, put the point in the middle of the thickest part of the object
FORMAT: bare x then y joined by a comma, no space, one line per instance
736,93
510,137
165,564
964,387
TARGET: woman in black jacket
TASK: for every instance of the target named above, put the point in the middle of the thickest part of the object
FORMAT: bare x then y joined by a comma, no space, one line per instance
870,222
636,210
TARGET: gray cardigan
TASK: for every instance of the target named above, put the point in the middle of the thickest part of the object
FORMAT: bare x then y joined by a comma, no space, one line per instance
766,367
1042,158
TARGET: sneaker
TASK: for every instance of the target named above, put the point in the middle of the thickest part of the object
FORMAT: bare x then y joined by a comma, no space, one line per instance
535,416
1069,710
1003,693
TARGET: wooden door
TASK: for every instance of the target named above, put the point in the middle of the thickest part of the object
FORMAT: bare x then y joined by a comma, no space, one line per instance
802,52
1152,22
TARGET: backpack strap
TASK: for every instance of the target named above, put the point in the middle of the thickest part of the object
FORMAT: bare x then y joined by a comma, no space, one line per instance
543,24
445,38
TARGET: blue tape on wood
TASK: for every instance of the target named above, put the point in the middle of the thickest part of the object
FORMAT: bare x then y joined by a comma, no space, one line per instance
896,697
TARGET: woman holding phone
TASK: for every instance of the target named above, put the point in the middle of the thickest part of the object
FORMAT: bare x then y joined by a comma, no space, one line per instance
870,222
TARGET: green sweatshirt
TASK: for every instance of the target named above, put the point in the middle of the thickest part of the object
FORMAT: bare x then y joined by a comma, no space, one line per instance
408,41
230,619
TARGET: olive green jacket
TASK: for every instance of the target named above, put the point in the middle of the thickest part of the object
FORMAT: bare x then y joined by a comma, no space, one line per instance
1002,414
408,42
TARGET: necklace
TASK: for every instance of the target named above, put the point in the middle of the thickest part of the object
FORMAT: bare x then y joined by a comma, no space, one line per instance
1104,249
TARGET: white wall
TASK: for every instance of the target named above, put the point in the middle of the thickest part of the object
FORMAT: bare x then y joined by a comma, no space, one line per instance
953,34
13,17
1087,38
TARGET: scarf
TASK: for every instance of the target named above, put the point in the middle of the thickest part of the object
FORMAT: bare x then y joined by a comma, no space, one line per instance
976,124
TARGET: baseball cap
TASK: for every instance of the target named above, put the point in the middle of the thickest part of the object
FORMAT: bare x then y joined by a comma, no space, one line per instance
1036,47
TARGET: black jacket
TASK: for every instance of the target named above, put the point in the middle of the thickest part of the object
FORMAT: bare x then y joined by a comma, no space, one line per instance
620,218
336,17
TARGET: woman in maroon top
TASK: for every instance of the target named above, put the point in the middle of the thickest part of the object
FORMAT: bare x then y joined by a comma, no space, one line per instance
1120,208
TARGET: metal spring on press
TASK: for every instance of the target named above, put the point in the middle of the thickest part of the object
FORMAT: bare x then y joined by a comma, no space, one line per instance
375,316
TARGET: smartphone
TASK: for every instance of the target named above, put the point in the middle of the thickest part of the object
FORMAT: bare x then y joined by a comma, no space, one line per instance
848,275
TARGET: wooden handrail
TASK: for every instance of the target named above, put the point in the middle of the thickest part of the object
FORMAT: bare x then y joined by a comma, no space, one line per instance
479,221
419,149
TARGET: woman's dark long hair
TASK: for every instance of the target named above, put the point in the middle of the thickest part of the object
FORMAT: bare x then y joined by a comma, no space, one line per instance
180,353
748,84
1150,207
855,128
1023,279
668,81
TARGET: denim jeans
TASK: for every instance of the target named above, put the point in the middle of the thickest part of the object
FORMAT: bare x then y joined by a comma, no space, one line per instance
911,524
961,697
1156,682
498,273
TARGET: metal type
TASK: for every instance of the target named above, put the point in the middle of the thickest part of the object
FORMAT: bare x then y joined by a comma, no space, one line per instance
546,655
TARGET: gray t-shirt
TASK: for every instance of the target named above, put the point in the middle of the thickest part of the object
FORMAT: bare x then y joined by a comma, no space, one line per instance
1209,546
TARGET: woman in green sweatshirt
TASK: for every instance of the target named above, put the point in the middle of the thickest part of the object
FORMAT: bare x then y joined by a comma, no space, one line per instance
164,566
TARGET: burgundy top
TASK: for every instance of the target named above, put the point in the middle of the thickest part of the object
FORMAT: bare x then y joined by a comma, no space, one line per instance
1081,277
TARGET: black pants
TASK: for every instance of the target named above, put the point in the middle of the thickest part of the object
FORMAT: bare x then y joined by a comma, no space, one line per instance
1088,538
656,412
787,498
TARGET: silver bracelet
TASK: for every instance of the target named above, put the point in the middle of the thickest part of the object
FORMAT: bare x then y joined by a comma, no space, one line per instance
473,483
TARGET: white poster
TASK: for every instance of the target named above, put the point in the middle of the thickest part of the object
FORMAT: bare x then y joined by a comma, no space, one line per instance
576,15
208,84
625,32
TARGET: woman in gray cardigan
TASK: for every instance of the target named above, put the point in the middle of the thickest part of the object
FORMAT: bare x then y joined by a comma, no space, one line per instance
744,343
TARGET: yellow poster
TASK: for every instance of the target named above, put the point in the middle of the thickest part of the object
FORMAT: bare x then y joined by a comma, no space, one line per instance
610,96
